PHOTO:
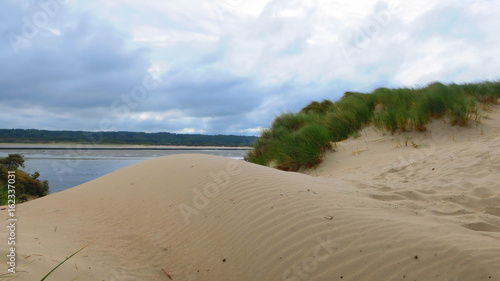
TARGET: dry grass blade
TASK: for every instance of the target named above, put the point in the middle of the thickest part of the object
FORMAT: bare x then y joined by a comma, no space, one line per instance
169,276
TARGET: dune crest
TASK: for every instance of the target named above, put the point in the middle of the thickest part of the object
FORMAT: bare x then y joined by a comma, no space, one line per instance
372,212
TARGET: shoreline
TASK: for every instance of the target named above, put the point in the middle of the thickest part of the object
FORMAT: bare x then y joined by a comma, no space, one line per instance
61,146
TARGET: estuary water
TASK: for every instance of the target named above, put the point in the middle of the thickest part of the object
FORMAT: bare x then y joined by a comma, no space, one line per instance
66,168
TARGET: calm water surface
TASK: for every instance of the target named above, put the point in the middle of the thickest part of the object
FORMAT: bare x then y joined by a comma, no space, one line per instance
66,168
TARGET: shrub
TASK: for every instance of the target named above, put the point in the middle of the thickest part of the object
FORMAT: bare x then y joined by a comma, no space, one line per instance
27,186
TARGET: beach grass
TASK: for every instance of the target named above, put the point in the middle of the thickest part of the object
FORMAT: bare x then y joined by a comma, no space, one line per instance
45,277
299,140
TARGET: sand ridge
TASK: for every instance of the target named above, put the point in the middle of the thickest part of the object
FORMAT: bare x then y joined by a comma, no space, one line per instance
371,211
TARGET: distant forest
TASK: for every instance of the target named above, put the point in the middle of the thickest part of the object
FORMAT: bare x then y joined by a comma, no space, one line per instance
131,138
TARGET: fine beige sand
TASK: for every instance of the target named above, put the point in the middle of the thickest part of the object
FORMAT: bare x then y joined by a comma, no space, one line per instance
374,210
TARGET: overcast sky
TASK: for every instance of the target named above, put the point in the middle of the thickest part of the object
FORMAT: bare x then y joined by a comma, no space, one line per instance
225,66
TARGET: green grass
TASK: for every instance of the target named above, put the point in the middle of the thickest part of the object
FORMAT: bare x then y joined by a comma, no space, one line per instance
299,140
45,277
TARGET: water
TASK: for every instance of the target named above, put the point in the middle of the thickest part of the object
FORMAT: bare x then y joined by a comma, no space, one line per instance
66,168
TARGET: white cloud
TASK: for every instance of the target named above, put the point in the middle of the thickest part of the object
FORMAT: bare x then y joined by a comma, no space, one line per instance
255,131
291,13
246,7
186,131
55,31
158,69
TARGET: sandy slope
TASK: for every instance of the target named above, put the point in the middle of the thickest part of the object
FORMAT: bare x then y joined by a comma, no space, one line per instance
449,172
380,213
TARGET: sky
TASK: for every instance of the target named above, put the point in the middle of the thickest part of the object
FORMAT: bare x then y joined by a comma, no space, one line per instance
226,66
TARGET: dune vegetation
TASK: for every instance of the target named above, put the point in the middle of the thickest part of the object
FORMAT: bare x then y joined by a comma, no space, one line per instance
27,186
299,140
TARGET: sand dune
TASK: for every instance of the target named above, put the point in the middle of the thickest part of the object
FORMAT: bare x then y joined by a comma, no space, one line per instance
371,211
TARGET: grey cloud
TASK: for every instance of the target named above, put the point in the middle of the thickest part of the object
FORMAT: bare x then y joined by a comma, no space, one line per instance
210,96
87,65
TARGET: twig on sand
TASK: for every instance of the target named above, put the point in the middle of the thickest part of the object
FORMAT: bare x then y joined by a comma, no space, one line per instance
169,276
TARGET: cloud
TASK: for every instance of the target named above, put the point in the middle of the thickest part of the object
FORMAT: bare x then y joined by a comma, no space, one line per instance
84,66
225,66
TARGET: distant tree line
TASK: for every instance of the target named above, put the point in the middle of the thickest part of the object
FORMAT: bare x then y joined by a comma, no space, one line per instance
45,136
